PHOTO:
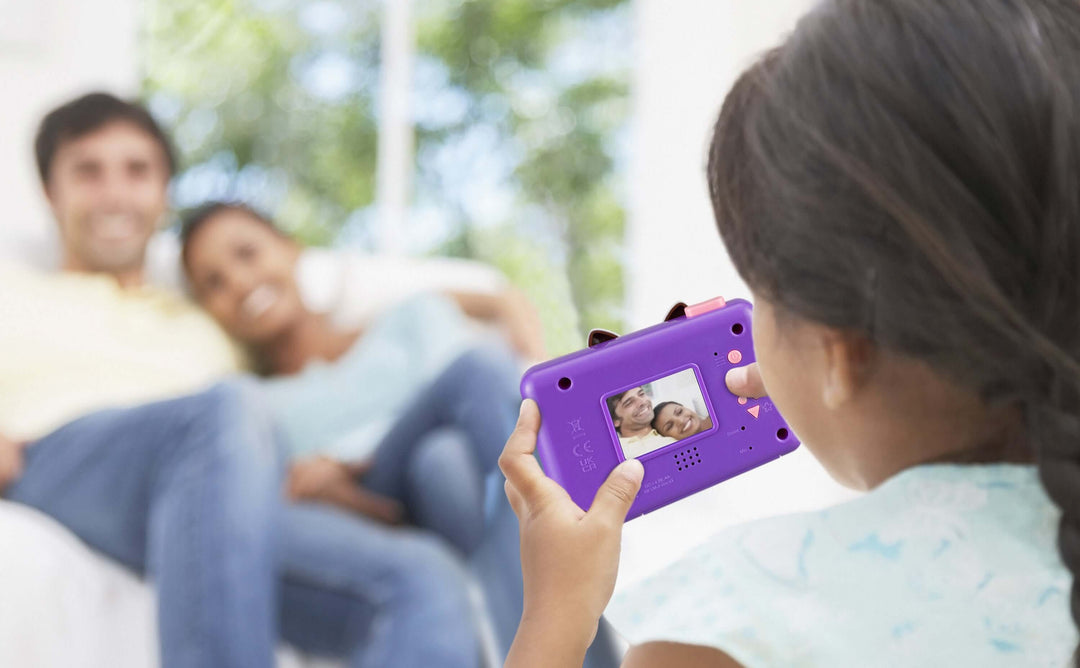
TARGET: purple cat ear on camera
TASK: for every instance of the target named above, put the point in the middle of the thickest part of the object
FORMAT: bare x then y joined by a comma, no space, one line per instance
676,311
598,336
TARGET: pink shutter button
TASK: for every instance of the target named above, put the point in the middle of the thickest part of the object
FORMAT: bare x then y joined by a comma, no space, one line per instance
705,307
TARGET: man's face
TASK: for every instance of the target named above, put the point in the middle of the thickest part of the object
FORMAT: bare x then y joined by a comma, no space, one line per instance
633,411
108,190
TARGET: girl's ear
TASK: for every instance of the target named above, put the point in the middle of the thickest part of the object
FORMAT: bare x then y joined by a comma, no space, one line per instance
848,359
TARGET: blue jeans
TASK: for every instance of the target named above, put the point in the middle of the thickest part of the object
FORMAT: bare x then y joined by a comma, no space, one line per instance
434,460
436,456
186,491
379,595
189,491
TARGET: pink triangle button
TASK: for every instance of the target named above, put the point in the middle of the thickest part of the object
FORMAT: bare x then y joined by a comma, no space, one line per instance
754,410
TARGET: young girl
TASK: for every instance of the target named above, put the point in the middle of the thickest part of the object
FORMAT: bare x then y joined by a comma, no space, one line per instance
898,184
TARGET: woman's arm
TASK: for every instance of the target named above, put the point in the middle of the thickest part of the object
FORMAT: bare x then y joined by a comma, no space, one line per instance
512,311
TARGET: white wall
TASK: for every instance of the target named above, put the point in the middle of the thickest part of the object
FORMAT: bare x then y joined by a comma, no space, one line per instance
50,51
688,53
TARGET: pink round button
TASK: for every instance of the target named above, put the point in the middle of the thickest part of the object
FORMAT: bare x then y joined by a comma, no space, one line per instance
742,401
734,357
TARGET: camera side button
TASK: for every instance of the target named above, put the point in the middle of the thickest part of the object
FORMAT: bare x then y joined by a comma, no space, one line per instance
734,356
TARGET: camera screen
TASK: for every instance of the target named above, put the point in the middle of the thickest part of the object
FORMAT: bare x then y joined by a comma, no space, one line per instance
666,410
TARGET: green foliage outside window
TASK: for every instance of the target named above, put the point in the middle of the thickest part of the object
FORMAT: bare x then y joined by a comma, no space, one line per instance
520,108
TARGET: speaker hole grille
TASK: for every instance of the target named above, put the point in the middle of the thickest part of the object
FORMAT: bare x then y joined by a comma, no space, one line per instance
688,458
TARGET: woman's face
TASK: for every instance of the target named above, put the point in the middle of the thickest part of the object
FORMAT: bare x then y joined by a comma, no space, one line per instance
678,421
242,272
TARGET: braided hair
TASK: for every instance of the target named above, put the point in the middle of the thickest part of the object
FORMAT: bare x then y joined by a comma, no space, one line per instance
910,170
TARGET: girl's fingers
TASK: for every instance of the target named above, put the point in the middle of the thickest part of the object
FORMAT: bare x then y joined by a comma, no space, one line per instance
515,498
517,461
617,494
745,381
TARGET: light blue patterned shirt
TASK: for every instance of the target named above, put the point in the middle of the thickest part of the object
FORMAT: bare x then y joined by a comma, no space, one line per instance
344,408
942,565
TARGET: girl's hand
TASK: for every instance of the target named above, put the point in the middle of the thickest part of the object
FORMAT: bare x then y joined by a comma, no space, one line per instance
569,557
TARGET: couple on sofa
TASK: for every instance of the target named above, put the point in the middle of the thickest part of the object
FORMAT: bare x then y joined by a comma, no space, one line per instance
225,497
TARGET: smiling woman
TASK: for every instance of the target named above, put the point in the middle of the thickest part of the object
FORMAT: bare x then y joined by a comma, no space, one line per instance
242,271
677,421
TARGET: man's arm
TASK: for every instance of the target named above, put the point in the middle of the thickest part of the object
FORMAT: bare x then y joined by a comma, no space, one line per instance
512,311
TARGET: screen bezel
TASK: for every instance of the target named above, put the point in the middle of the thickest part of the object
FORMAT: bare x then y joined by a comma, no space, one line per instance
677,445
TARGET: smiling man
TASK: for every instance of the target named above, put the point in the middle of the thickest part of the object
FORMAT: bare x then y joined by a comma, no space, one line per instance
105,167
632,415
91,360
94,335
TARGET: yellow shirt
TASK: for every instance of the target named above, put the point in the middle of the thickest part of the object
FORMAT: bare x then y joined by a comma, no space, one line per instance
642,444
73,343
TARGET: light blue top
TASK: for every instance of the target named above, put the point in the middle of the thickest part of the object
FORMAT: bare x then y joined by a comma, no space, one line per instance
344,408
943,565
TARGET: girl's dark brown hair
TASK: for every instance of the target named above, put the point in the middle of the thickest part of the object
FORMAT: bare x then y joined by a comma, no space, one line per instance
910,170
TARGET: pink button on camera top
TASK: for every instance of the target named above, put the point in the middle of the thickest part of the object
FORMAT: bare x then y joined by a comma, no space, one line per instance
734,357
706,306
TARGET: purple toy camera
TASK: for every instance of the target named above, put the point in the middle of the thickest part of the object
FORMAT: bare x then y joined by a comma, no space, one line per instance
659,395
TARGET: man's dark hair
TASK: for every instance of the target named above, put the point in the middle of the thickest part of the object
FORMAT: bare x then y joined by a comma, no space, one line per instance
87,114
614,400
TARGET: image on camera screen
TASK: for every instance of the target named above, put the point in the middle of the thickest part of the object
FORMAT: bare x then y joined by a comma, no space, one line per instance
655,414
